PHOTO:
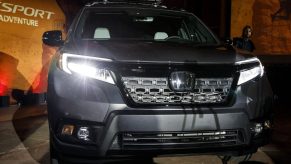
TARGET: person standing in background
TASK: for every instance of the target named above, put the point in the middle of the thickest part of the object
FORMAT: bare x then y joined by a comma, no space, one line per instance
244,42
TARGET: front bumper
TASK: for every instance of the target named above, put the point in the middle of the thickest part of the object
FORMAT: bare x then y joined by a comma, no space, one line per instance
102,108
119,122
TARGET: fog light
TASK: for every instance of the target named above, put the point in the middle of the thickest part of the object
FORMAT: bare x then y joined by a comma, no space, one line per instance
68,130
83,133
257,128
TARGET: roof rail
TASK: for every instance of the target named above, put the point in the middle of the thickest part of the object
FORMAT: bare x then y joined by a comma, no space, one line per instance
154,3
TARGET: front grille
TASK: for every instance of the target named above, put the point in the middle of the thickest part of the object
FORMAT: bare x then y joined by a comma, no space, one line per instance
157,91
181,140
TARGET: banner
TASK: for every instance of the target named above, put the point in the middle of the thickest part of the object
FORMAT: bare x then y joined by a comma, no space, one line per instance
23,58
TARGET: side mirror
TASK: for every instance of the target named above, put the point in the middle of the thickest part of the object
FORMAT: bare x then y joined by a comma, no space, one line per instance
228,43
53,38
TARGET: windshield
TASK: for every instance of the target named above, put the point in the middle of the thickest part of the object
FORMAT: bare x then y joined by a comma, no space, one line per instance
142,25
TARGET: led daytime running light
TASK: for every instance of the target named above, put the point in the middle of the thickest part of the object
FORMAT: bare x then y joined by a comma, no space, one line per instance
247,75
85,69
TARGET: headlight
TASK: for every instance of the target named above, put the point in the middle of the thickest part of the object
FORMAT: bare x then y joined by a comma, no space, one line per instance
85,66
249,74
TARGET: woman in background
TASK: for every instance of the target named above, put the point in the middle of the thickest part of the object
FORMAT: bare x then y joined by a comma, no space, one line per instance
244,42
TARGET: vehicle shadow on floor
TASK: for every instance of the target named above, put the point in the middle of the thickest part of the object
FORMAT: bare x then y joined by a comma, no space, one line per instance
32,131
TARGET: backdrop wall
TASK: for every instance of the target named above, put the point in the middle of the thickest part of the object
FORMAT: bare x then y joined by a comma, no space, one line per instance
271,22
23,58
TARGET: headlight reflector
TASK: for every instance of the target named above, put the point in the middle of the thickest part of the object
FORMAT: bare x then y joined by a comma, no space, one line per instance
82,69
81,66
247,75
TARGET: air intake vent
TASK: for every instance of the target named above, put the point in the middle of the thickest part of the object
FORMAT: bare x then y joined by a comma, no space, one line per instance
190,140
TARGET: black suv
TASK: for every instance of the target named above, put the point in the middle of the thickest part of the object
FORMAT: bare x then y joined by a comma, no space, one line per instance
138,79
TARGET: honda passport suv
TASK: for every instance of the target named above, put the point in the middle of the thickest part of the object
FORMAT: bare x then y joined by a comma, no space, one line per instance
138,79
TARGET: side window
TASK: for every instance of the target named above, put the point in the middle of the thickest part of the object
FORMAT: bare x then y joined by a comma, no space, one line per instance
196,34
183,31
202,33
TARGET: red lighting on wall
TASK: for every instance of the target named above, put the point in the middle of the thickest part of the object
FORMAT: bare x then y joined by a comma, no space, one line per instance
3,89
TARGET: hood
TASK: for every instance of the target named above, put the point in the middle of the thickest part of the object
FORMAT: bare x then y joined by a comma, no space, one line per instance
155,52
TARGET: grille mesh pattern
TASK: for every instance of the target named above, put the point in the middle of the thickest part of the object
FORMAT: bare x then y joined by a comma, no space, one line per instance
157,91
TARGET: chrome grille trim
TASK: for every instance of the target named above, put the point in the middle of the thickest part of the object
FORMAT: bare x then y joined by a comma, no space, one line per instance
157,91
